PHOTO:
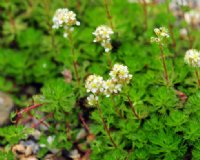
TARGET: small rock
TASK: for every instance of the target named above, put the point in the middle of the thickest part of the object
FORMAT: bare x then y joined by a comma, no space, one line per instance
49,157
29,158
18,150
28,151
74,154
53,157
36,134
81,134
67,75
90,138
31,146
6,105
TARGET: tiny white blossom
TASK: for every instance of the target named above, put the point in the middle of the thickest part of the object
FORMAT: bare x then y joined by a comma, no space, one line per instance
103,35
161,34
92,100
50,139
94,84
110,87
183,33
120,74
64,18
192,17
192,58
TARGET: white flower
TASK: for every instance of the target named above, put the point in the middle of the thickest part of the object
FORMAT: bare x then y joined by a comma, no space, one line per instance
183,33
64,18
103,35
94,84
110,87
50,139
161,34
120,74
192,17
192,58
92,100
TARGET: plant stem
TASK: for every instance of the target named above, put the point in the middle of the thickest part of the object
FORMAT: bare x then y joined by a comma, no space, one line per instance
108,13
115,106
190,38
170,27
105,125
164,64
19,114
42,120
132,108
197,75
109,59
74,60
84,123
144,6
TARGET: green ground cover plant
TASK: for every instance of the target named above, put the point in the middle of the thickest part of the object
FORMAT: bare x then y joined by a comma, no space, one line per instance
123,72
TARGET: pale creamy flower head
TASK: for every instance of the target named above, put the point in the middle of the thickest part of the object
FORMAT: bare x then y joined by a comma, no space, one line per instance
161,34
192,58
64,18
120,74
92,100
103,35
192,17
94,84
183,33
111,87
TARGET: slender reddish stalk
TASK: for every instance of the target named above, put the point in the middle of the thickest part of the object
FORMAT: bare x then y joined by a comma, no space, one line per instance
132,108
84,123
115,106
108,13
68,131
19,114
197,75
86,156
74,61
170,26
29,108
42,120
190,38
144,6
105,126
164,64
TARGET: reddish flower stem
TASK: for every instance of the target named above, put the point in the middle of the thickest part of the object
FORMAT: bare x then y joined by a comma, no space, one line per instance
197,75
19,114
105,126
74,61
164,64
108,14
42,120
84,123
132,108
144,6
86,156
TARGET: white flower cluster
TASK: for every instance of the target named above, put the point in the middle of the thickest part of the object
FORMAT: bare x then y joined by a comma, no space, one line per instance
94,84
119,76
192,18
161,34
192,58
92,99
103,35
64,18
